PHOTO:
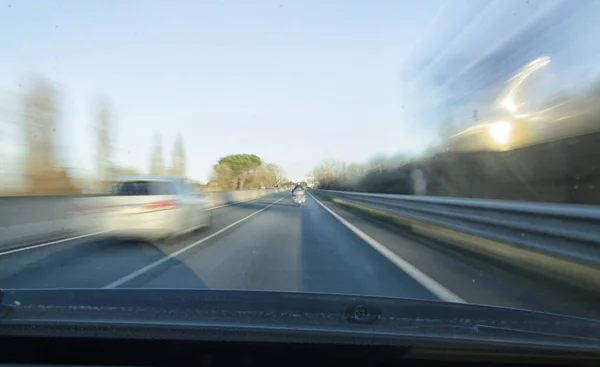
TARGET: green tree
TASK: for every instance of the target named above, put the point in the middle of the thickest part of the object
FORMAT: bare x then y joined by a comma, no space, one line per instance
240,166
223,177
245,171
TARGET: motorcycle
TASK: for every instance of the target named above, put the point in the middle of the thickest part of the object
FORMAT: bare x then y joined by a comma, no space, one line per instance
299,198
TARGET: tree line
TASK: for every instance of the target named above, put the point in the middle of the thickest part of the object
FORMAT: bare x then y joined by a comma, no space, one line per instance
43,173
380,174
245,171
561,171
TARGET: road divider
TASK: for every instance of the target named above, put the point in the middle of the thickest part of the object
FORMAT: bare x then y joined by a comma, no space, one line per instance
557,241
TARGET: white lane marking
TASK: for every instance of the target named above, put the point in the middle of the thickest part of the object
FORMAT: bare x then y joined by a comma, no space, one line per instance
8,252
159,262
243,201
237,202
50,243
425,280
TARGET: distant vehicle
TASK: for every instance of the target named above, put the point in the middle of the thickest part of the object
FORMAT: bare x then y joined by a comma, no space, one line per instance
155,207
298,195
310,182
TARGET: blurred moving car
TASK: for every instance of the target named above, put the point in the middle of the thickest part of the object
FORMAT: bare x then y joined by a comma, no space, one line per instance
155,207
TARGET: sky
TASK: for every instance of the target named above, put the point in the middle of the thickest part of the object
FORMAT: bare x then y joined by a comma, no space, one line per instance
360,78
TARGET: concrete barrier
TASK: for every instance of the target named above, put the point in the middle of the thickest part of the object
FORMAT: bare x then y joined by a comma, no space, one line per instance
26,220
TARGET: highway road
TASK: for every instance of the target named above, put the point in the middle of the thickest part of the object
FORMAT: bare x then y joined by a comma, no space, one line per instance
270,244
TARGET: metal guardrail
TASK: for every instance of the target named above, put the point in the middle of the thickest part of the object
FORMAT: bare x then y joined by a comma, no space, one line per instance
561,240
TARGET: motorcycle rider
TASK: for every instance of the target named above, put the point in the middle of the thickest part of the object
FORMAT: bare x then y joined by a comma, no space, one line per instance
298,195
298,190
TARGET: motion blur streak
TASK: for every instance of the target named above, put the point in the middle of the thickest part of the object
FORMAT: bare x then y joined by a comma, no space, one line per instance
272,244
156,145
428,283
157,263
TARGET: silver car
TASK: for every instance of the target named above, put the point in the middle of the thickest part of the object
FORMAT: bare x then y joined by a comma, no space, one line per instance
155,207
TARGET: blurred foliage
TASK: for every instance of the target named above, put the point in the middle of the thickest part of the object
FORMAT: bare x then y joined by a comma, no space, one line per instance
104,149
563,171
42,171
42,174
123,171
245,171
178,164
241,163
157,165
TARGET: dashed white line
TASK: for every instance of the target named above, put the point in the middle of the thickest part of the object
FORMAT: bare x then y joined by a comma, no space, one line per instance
425,280
20,249
31,247
234,203
159,262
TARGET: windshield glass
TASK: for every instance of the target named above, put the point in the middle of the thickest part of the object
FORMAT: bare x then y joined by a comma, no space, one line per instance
447,149
144,188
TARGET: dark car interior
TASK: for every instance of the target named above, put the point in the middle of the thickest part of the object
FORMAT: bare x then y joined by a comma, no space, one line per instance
139,352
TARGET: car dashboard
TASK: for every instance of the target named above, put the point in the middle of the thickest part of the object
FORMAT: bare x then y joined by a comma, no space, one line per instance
137,352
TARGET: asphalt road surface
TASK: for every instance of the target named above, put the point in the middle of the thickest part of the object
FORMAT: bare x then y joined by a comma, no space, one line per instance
271,244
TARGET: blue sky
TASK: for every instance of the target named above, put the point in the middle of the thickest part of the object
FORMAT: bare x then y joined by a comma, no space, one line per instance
361,77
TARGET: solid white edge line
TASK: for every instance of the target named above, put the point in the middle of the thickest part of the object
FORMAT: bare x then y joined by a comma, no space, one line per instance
425,280
7,252
159,262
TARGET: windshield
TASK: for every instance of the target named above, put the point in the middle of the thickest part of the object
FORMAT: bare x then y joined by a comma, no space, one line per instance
447,149
143,188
